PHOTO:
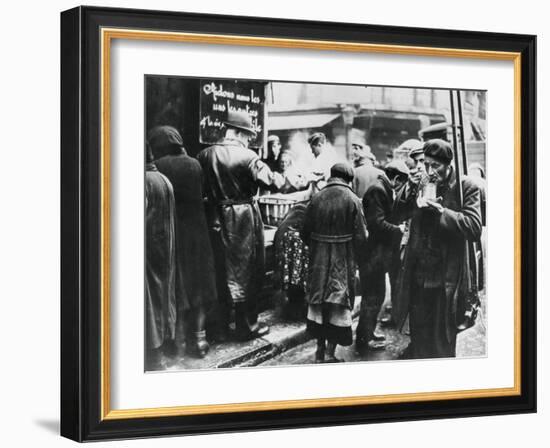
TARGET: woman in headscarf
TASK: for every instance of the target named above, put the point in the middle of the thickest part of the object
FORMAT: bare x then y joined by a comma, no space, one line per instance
195,263
273,152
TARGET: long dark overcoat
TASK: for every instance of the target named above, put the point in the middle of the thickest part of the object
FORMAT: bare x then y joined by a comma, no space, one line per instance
232,175
195,262
160,250
335,230
450,231
384,234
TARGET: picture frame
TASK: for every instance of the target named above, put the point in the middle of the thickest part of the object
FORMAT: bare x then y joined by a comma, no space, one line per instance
86,37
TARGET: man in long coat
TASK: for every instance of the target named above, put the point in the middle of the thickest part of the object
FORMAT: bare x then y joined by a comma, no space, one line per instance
335,230
233,174
381,249
160,274
434,271
195,263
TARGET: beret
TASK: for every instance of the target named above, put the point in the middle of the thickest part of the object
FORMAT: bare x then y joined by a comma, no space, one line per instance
439,149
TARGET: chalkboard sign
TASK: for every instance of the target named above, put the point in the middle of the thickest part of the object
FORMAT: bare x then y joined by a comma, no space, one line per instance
218,96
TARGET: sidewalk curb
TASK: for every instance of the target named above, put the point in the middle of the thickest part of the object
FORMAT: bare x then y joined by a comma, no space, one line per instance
269,350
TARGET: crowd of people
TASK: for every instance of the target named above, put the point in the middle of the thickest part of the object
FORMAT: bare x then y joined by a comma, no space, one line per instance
414,220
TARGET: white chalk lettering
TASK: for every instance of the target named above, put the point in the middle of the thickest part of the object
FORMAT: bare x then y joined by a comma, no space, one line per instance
212,89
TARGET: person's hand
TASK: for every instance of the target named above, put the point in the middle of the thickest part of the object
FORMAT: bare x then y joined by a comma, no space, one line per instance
314,177
402,227
433,205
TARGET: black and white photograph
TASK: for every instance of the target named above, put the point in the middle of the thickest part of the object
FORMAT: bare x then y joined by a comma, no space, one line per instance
295,223
274,223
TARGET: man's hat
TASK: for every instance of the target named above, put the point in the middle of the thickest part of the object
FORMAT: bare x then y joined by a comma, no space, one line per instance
439,149
342,171
365,152
398,167
412,146
240,119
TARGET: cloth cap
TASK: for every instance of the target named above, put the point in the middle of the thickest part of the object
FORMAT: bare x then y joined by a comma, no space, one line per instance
398,167
163,136
343,171
412,147
273,138
317,138
439,149
241,120
365,152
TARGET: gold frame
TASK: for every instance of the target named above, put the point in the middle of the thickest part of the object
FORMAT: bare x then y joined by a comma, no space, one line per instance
107,35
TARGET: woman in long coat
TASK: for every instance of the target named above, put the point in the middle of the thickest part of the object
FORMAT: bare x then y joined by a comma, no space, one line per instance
160,274
195,264
335,230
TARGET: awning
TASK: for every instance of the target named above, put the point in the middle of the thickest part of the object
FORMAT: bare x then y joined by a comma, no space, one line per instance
303,121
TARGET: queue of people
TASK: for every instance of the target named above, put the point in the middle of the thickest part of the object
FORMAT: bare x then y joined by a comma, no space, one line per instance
205,253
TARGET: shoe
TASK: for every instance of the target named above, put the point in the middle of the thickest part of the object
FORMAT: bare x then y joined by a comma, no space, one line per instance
261,330
361,347
376,345
319,356
386,321
169,348
378,338
332,359
407,353
199,347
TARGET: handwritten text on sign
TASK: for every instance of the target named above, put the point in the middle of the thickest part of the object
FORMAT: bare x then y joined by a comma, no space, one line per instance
217,97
